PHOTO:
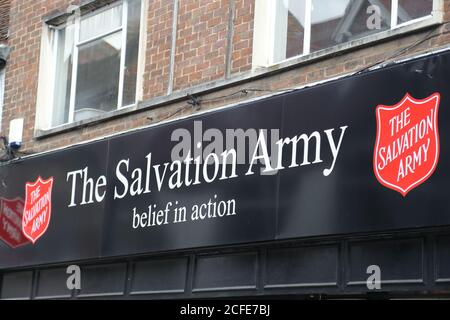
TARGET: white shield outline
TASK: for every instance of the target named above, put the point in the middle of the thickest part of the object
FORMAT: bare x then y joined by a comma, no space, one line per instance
29,185
409,98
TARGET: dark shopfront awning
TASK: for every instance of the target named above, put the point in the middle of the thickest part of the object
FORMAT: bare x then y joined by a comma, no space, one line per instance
363,154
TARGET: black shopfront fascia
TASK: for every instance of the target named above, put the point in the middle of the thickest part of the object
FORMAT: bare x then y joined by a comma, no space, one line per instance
296,231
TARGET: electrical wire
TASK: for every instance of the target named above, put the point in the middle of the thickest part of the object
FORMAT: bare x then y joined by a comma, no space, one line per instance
398,53
196,101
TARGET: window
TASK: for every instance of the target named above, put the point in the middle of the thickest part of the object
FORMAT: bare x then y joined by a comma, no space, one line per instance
301,27
95,63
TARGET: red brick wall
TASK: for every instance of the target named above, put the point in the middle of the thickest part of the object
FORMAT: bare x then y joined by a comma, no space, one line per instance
201,42
201,54
243,36
159,43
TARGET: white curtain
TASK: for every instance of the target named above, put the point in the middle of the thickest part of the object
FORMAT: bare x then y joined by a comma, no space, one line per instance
62,76
101,23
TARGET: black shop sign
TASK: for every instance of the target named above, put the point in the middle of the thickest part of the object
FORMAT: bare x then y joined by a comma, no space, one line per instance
365,153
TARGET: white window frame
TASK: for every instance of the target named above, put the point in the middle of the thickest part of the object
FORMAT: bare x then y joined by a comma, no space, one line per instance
48,68
268,43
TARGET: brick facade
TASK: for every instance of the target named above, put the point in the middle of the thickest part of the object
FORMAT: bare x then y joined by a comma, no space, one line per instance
204,54
159,43
243,36
201,42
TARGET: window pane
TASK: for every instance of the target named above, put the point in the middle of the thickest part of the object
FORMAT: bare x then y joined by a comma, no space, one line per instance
370,19
100,23
289,29
98,76
295,27
339,21
412,9
131,59
63,76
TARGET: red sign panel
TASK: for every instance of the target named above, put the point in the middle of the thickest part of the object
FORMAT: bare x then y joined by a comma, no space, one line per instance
38,208
407,145
11,222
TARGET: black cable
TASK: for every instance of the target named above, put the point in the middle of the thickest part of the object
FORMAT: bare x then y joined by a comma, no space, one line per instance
170,115
196,101
398,53
242,91
270,90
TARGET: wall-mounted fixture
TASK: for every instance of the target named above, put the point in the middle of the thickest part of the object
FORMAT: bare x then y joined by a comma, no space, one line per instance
15,133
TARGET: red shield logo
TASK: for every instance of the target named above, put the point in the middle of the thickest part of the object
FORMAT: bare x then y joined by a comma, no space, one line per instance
38,208
11,222
407,146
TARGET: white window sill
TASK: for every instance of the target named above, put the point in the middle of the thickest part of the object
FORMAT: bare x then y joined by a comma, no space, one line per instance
405,28
42,133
